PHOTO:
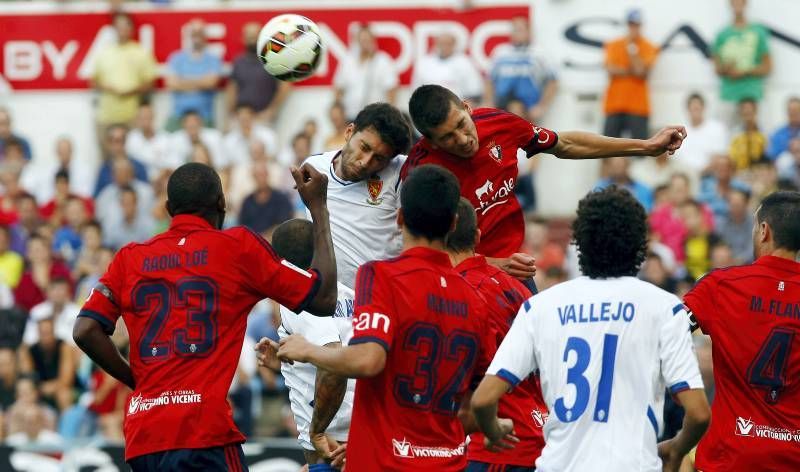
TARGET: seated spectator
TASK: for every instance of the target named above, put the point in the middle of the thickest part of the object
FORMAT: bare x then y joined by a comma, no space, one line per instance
129,224
192,132
81,175
54,210
242,184
705,138
780,139
11,171
249,85
338,120
148,144
666,221
11,263
265,207
750,144
6,134
50,360
699,240
58,308
722,256
237,142
28,420
108,403
115,151
8,378
520,72
108,201
28,222
297,153
67,239
91,273
451,68
716,186
617,169
553,276
192,76
88,258
654,271
41,267
788,164
763,179
657,172
736,227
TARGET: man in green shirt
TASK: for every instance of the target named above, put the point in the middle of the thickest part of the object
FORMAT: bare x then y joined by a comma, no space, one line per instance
741,57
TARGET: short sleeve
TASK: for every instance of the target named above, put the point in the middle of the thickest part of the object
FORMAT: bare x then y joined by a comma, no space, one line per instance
676,351
172,64
104,302
515,359
149,66
268,276
215,64
649,54
700,304
374,317
763,43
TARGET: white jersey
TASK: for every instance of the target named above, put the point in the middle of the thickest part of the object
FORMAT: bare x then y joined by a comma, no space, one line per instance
605,350
363,215
301,377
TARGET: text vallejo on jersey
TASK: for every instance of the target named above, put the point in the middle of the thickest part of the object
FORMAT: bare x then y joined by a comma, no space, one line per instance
176,397
596,312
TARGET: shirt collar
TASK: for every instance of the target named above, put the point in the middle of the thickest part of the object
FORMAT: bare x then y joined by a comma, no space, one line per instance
189,221
471,263
431,255
779,263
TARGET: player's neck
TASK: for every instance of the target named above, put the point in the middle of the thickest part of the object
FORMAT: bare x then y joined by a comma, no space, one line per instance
410,241
457,258
782,253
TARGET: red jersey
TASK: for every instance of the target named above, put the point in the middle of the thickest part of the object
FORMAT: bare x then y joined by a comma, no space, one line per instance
525,405
434,328
752,314
489,177
184,296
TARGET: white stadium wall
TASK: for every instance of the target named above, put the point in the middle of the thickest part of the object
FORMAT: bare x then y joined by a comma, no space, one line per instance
38,76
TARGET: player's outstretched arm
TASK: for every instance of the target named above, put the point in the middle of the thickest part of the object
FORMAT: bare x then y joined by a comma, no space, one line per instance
519,265
499,432
90,337
582,145
360,360
329,391
695,423
313,189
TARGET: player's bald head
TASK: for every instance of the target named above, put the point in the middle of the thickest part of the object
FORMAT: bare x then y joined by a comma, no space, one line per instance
293,240
195,189
464,237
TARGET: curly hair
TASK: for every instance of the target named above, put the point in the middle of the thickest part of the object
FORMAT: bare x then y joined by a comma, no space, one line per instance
611,233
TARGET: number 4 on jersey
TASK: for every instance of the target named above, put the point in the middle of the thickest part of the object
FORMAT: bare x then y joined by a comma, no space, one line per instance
768,369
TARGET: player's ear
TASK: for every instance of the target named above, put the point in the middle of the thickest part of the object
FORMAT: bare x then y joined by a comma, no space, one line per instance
348,131
477,237
466,106
764,232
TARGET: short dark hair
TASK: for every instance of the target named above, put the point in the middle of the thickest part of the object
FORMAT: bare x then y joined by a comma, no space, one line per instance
194,188
781,211
748,101
62,174
128,189
429,200
293,240
388,122
611,233
93,224
429,106
462,238
695,96
14,143
190,112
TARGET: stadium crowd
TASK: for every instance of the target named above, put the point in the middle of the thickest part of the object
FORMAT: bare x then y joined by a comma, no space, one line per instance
60,228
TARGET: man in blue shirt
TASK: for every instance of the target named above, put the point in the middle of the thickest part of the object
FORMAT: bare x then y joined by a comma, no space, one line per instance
7,135
779,141
618,174
192,76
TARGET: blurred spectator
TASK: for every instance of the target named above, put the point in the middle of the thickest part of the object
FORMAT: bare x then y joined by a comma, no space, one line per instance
108,202
240,393
699,239
92,270
28,222
521,72
655,271
6,134
241,181
367,75
115,152
265,207
8,378
193,131
55,210
29,422
50,360
722,256
91,243
780,139
763,179
750,144
58,308
741,57
705,137
715,187
192,76
617,171
788,164
108,403
40,269
736,227
249,85
656,172
666,221
123,74
11,263
11,171
130,223
553,276
81,175
628,62
67,239
310,129
297,152
339,122
237,142
149,145
449,68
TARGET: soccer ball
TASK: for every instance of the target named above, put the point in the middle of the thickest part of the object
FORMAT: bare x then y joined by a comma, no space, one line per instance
290,47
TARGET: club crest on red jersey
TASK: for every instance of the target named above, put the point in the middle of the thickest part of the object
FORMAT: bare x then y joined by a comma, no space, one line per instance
495,151
374,187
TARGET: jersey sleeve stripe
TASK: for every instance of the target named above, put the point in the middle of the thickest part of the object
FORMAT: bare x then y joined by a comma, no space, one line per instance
263,243
369,339
312,292
366,278
527,305
652,417
508,377
490,114
108,325
677,309
679,387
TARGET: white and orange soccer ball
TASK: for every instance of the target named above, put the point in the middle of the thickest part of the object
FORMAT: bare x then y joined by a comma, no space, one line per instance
290,47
